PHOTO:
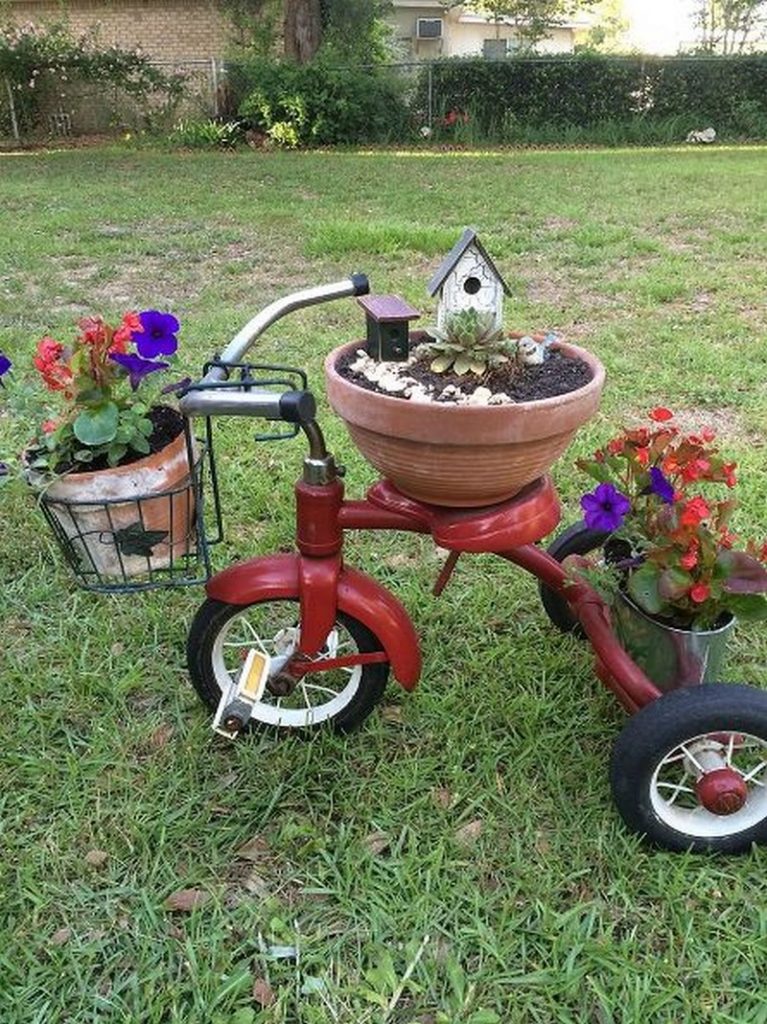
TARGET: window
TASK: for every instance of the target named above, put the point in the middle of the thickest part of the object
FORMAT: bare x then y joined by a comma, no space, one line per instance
494,49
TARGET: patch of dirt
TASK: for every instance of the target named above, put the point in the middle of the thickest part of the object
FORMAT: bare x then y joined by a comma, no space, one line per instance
560,224
724,420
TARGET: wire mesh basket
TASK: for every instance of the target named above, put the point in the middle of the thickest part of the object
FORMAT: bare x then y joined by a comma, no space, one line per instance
160,538
148,540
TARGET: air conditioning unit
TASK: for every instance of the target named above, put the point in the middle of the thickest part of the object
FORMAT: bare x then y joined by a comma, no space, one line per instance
428,28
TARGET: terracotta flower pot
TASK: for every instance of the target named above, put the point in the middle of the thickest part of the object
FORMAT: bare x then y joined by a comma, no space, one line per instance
128,520
454,455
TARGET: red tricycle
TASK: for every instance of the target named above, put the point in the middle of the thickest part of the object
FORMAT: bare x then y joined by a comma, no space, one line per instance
300,641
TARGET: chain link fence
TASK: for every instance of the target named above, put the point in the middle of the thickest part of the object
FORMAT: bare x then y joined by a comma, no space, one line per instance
61,107
478,98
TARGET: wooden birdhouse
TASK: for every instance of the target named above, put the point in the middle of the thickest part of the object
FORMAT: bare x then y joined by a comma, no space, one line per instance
467,278
388,318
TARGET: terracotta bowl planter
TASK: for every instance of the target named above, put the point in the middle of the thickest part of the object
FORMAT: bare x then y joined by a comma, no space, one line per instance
126,521
461,455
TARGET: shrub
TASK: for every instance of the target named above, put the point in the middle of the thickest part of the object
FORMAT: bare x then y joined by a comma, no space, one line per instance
590,97
317,105
34,60
208,134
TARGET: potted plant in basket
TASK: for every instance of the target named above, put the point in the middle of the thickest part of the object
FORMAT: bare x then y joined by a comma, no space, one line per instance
465,414
670,570
110,457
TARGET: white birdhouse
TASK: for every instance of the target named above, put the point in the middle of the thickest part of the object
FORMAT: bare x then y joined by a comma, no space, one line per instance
467,278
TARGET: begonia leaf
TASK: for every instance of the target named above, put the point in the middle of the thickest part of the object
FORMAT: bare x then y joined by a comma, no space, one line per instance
673,584
97,425
744,574
643,588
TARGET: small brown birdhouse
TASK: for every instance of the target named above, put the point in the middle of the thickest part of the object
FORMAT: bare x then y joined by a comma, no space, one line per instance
388,317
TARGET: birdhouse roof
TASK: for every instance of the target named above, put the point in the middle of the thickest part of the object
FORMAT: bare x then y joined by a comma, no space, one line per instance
469,237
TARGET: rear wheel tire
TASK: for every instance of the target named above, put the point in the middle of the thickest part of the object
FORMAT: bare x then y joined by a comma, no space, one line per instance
222,634
657,758
579,539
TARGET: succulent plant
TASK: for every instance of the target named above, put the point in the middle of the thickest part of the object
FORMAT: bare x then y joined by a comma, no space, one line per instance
469,342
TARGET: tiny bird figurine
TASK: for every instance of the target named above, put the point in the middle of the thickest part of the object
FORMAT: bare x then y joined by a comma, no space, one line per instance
531,352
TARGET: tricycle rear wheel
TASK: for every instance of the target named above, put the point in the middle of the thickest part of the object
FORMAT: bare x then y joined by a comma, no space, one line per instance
671,745
578,539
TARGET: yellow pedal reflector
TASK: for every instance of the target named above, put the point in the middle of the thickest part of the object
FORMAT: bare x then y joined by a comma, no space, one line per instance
254,674
241,695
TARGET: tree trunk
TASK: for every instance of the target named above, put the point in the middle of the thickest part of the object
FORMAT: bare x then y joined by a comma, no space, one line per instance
303,29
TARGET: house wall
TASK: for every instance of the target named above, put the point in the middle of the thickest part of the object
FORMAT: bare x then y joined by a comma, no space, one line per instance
467,40
461,37
166,30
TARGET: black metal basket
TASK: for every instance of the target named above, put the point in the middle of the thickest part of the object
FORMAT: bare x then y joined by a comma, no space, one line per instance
115,545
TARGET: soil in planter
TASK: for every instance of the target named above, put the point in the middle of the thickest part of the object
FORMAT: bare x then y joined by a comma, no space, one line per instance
558,375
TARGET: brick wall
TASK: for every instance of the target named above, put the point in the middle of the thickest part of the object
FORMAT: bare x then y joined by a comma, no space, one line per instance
164,29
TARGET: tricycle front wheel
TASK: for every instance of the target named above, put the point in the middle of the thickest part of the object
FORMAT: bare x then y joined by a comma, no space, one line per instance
689,770
342,697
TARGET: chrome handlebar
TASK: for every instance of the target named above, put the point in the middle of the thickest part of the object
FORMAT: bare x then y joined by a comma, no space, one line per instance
204,399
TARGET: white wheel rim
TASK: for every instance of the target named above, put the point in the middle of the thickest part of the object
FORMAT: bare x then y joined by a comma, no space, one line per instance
672,788
272,627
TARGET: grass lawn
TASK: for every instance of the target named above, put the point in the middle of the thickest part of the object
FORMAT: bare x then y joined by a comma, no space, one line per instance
458,860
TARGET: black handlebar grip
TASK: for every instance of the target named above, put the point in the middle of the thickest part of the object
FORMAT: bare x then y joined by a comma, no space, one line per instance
361,284
298,407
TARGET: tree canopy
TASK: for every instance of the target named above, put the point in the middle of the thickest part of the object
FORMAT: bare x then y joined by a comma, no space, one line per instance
724,26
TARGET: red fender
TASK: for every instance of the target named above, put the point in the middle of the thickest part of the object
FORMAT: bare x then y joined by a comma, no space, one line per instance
272,577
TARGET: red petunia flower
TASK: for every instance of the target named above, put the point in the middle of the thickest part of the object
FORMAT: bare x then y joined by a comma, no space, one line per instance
695,511
661,414
700,593
695,469
689,560
122,336
94,330
56,375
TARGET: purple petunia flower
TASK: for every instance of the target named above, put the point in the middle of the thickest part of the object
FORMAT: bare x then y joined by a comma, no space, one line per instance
661,486
605,508
5,363
137,367
158,334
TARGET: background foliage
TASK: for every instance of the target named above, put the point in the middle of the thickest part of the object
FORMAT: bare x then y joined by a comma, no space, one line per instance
36,61
505,98
314,104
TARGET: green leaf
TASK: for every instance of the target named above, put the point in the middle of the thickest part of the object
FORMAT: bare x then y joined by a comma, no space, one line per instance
140,444
97,425
115,453
462,364
83,455
484,1017
673,584
748,607
743,574
643,588
441,363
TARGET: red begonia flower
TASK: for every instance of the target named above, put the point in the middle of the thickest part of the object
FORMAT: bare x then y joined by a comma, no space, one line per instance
700,593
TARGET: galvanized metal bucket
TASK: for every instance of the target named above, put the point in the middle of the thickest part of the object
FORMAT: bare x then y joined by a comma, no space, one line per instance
670,657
